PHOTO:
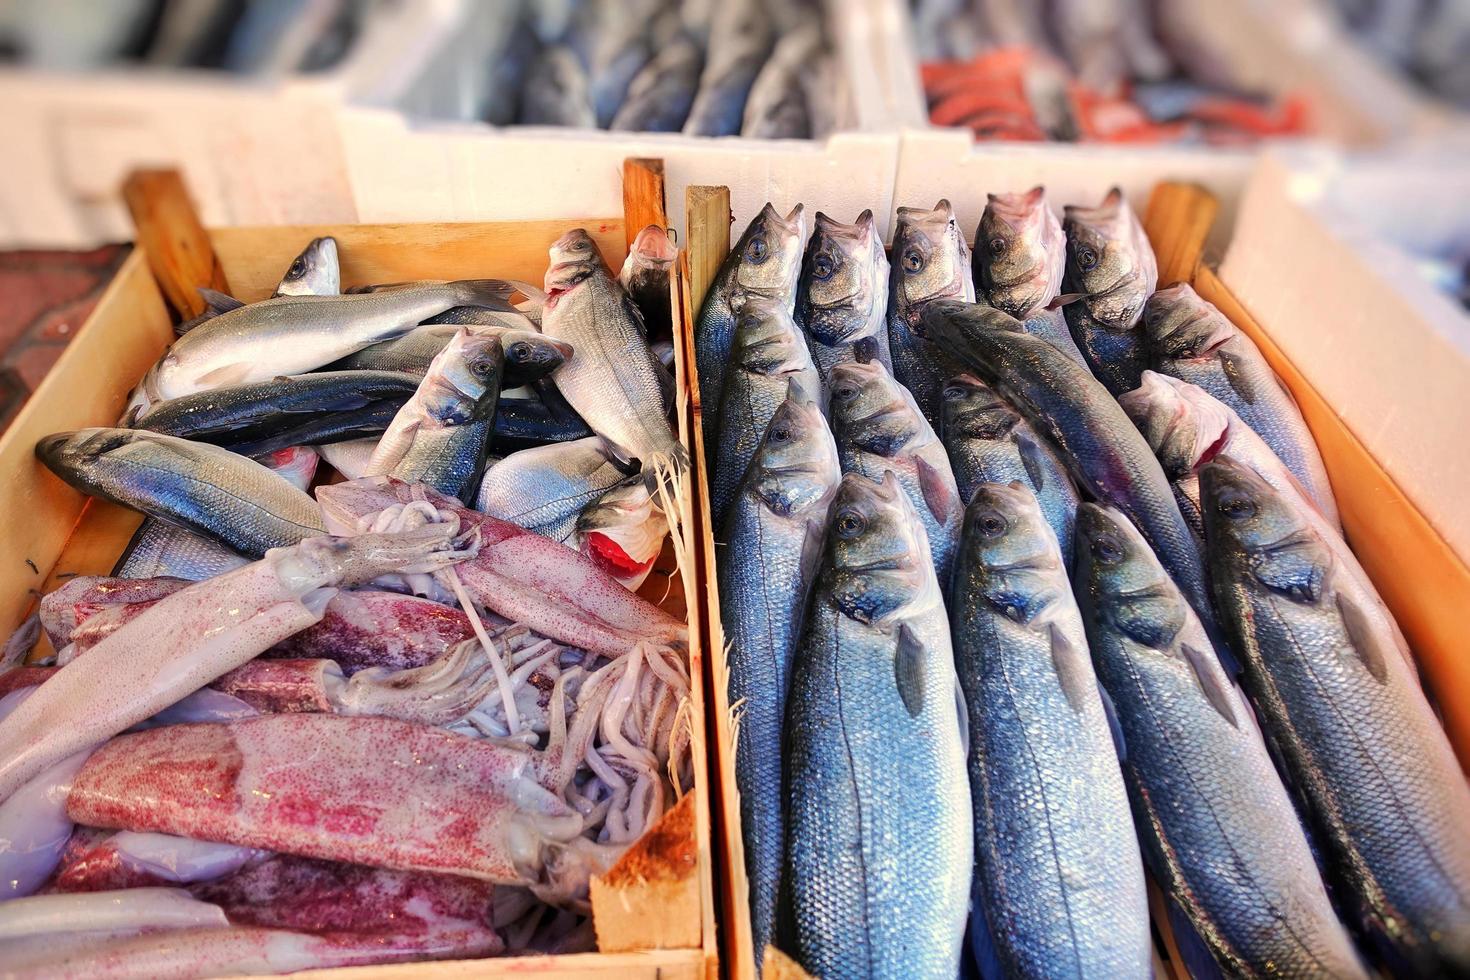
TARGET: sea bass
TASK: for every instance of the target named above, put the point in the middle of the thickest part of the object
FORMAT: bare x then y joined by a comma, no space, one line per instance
1058,879
1205,792
930,262
315,272
662,93
842,296
878,849
740,41
623,531
1111,272
1020,253
1386,795
773,540
529,355
777,105
645,278
545,489
558,91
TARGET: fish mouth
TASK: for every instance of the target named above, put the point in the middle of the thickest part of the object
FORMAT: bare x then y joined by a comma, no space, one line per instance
902,563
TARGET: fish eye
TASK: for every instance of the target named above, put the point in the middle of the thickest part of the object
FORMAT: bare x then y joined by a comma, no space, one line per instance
1107,549
482,368
997,246
755,250
779,434
579,245
298,268
823,267
845,392
953,393
991,524
520,350
1237,507
1086,258
849,524
913,261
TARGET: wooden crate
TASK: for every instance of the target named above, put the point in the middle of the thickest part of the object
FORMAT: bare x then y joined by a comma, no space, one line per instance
655,907
1420,578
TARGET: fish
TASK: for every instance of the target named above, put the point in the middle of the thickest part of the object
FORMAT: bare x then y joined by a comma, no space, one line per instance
1385,796
1191,340
521,423
215,303
315,272
988,441
296,334
879,429
740,40
558,91
661,95
202,488
1217,826
615,42
842,295
1111,271
1020,253
441,435
529,354
768,363
623,531
613,382
930,262
766,261
773,541
878,842
1059,887
1103,450
776,107
545,489
645,278
352,457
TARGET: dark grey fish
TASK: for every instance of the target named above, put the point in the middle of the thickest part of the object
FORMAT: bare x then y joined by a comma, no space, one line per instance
204,488
741,39
1059,887
529,354
776,107
645,278
521,423
842,296
558,91
662,93
1386,797
615,42
1217,826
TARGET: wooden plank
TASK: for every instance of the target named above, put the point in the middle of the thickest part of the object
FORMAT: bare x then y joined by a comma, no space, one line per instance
170,232
643,196
1178,220
706,240
660,870
652,965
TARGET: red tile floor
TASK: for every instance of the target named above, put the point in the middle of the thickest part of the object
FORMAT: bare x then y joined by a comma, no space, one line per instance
44,297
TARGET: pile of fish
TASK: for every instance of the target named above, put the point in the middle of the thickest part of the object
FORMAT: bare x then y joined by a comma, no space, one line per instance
405,715
1032,585
1081,71
1427,40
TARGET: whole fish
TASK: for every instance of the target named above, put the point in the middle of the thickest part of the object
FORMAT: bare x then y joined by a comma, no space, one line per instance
545,489
1111,271
1386,797
521,423
1218,828
767,261
441,435
1191,340
662,93
740,40
879,429
315,272
197,486
878,846
768,362
296,334
1020,253
776,107
645,278
842,296
988,441
1101,447
613,381
623,531
773,540
558,91
529,355
1059,887
930,262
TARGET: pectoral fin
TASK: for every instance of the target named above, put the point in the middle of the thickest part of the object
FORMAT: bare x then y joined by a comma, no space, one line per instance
1210,675
908,670
1367,642
220,377
940,495
1070,664
217,302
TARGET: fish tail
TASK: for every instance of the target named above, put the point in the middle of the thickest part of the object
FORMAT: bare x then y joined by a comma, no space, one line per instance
483,292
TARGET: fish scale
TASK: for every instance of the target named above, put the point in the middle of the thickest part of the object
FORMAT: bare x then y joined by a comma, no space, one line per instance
842,296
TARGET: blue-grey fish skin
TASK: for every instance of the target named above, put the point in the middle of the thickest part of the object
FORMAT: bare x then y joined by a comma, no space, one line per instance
162,549
1217,826
1102,449
988,441
1051,326
878,855
1057,867
772,541
661,94
842,297
1386,797
740,41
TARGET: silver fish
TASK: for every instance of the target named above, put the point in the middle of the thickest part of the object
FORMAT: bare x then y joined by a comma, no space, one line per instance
768,363
1206,796
1111,271
777,105
199,487
546,488
930,262
879,843
662,93
529,354
645,278
623,531
315,272
351,458
1191,340
1059,887
879,429
558,91
1020,253
740,41
614,40
842,296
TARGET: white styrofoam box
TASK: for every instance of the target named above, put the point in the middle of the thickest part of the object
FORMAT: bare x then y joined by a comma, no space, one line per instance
250,154
1315,260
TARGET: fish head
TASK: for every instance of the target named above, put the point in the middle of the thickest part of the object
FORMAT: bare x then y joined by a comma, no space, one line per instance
1009,552
930,257
653,248
1251,522
463,381
76,455
315,272
623,530
770,252
574,259
532,354
767,339
840,266
1180,325
1109,259
973,410
1182,423
877,565
871,410
795,468
1118,577
1021,251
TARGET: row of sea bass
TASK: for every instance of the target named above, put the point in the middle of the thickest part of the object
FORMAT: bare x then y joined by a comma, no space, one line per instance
1018,514
367,723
